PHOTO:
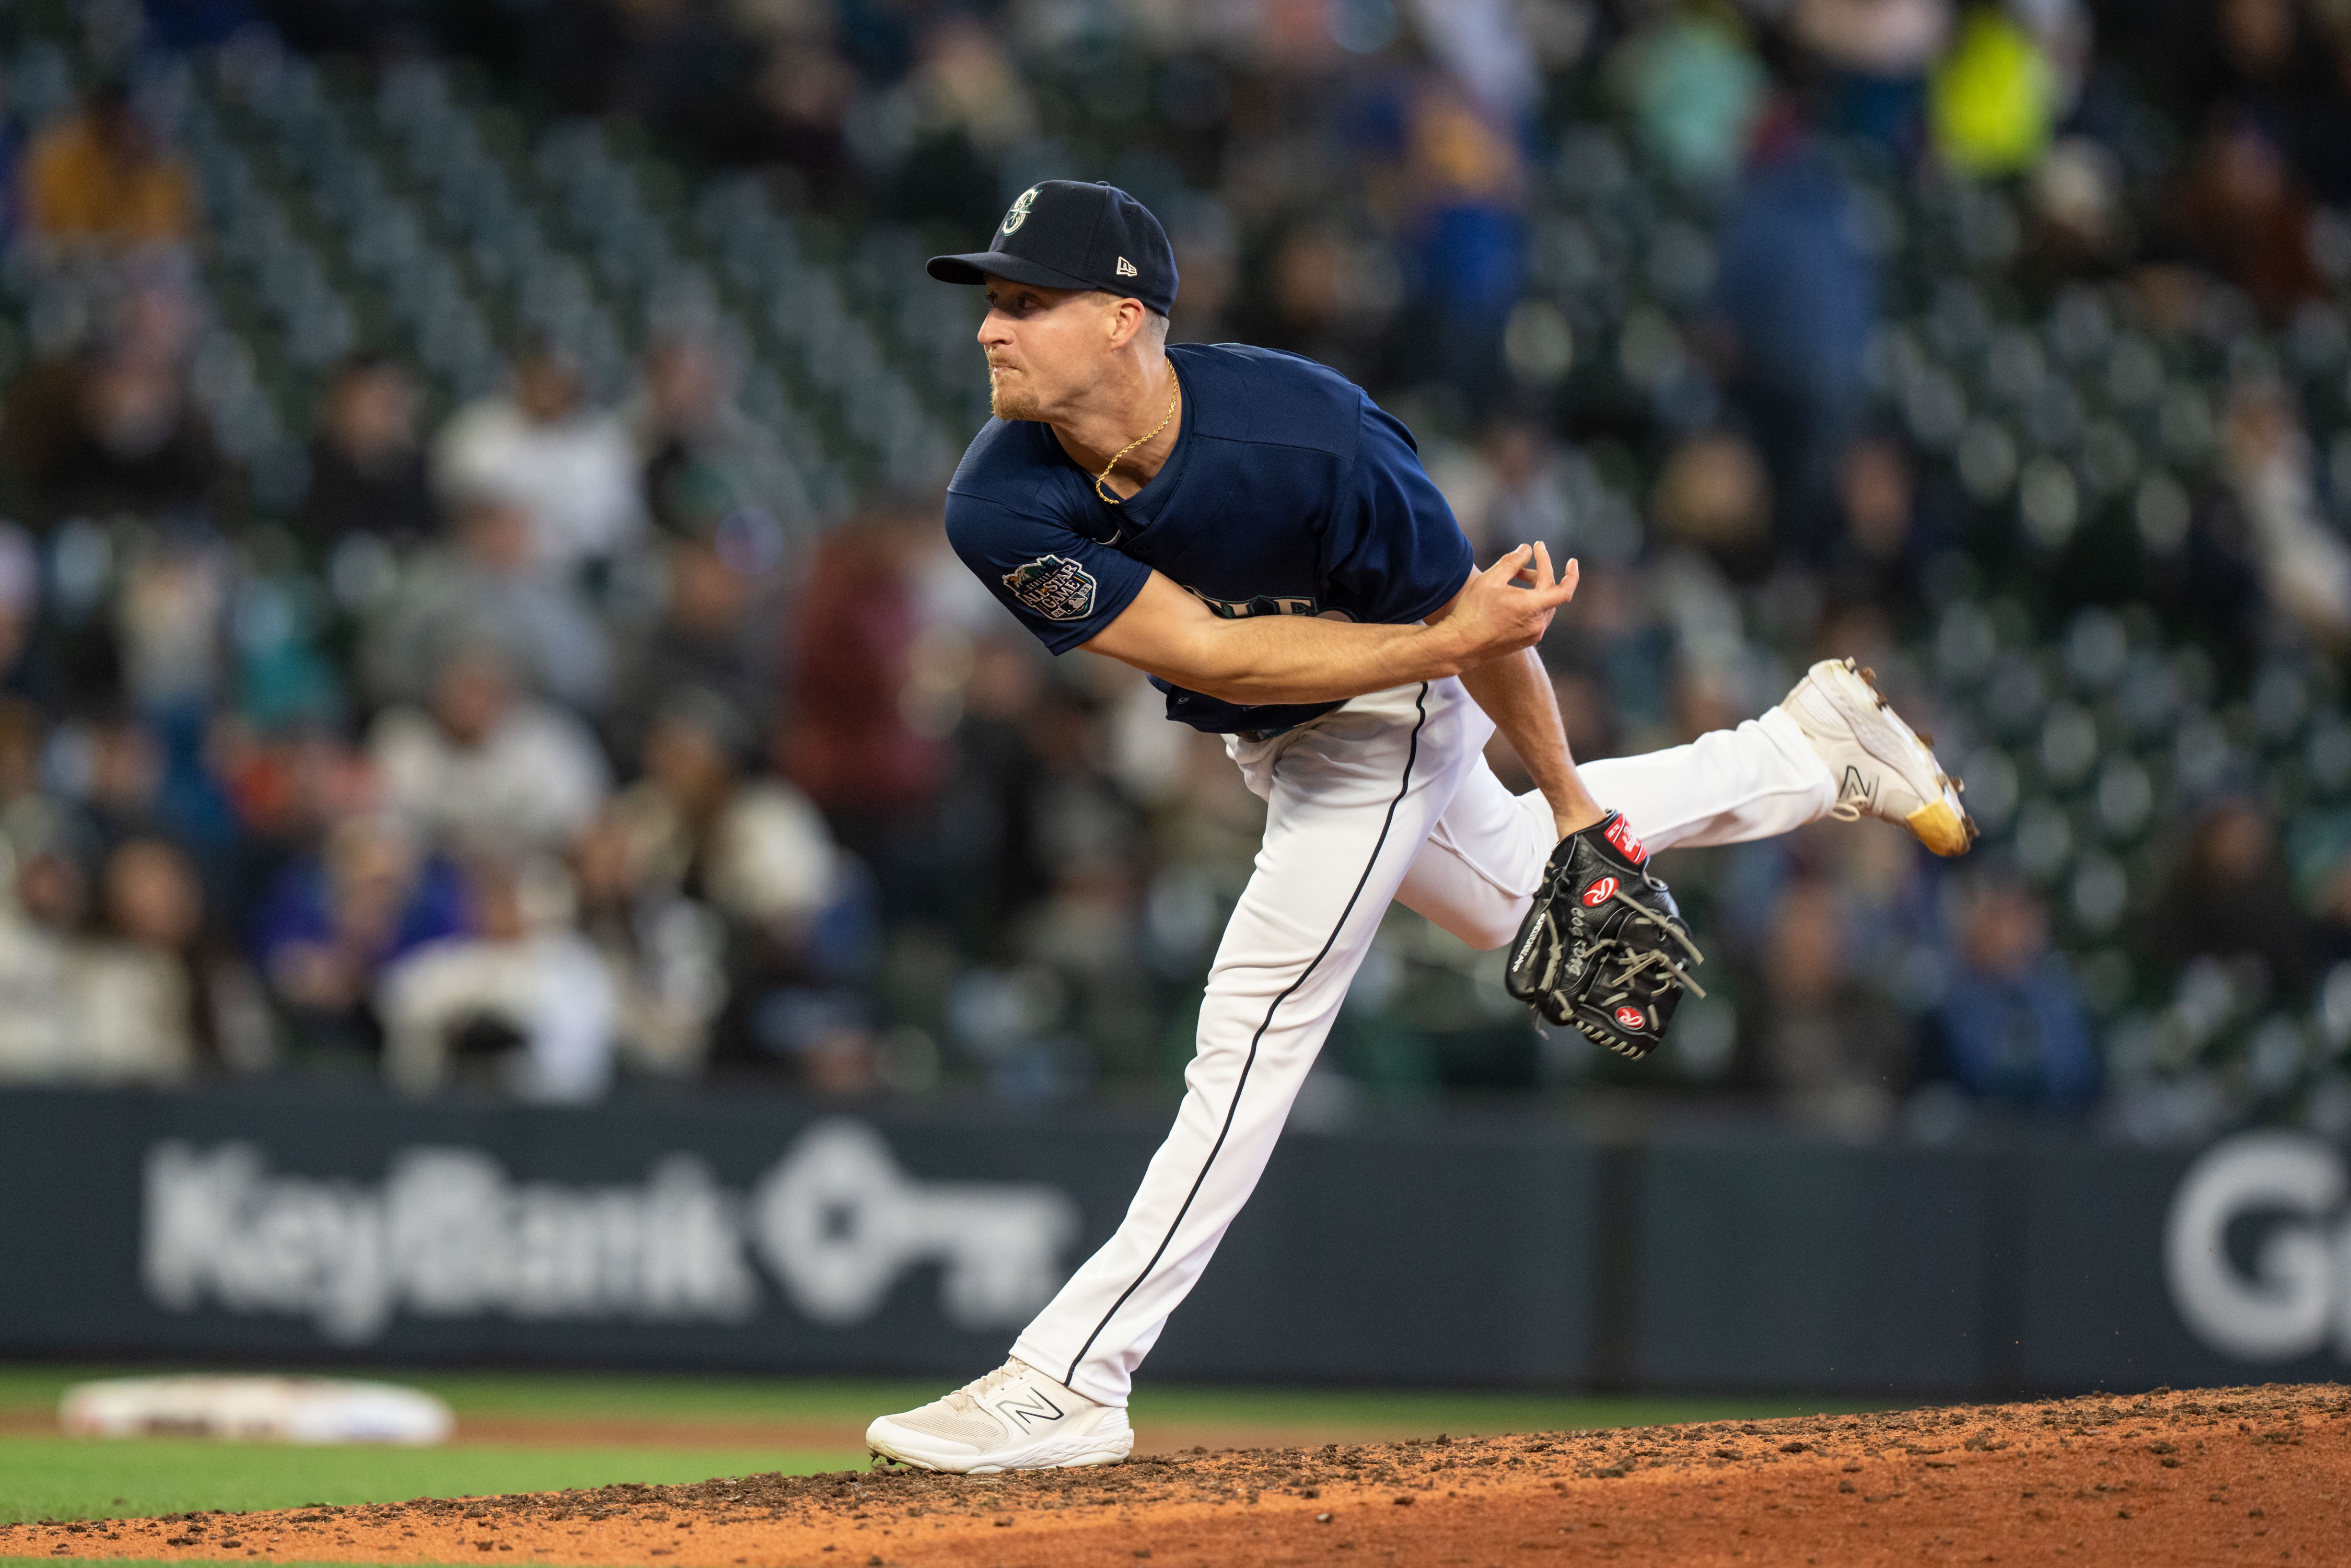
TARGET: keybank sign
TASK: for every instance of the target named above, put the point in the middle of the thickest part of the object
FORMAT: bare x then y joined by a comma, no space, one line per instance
449,1233
2258,1248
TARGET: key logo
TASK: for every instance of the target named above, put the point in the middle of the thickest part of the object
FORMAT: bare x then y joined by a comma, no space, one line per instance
1019,213
1620,833
1056,589
1631,1018
1600,893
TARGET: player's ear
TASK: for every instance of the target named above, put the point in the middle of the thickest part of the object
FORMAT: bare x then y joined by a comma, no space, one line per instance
1123,321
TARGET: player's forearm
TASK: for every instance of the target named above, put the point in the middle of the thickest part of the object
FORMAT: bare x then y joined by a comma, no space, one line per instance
1279,659
1516,694
1283,659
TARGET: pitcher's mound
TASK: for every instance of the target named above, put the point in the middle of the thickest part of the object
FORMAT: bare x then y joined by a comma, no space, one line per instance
2212,1476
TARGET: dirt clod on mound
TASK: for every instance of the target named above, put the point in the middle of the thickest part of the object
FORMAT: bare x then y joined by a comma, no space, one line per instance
2177,1477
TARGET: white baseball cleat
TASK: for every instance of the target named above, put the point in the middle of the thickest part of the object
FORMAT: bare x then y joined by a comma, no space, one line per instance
1015,1418
1883,766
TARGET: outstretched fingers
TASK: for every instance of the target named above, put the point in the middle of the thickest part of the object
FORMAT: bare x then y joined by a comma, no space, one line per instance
1512,620
1544,581
1553,592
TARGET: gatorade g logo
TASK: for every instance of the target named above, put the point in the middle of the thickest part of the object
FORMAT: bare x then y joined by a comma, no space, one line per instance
1631,1018
1621,835
2257,1248
1019,213
1599,892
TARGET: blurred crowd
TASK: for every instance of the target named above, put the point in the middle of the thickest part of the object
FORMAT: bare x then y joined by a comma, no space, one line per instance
545,734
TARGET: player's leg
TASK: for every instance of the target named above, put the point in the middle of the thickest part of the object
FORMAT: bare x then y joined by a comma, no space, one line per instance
1478,870
1727,787
1349,800
1486,853
1833,747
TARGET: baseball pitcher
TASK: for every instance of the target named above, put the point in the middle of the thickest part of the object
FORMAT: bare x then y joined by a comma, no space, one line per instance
1252,532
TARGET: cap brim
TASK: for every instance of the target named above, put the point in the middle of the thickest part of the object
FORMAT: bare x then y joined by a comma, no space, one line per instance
980,266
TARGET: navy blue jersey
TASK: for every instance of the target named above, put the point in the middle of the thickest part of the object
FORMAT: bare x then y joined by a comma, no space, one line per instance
1289,493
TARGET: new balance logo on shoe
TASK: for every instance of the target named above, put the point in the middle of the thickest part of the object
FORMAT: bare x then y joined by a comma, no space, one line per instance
1015,1418
1126,268
1035,1408
1857,790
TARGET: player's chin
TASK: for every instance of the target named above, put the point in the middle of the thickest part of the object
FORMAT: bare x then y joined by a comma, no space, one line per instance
1010,401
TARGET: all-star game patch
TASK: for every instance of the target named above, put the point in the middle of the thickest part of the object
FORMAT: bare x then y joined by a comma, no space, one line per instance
1056,589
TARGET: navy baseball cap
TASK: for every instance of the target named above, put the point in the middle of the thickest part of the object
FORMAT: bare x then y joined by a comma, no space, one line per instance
1064,235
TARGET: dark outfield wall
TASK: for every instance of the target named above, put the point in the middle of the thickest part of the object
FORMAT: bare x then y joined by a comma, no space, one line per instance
766,1235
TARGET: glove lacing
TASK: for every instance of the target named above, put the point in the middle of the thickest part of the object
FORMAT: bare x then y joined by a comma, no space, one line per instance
1652,957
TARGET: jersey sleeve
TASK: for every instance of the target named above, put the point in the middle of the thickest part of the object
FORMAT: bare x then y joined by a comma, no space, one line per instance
1396,553
1063,587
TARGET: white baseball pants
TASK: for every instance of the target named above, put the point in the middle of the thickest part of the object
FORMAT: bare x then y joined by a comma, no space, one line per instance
1388,797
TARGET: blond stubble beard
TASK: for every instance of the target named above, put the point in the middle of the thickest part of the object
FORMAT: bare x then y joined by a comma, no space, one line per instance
1005,403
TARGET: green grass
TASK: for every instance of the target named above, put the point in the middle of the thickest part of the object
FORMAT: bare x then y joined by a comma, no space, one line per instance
559,1396
65,1477
46,1476
853,1402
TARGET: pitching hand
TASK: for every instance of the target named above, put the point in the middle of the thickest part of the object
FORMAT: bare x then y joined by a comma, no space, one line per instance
1508,605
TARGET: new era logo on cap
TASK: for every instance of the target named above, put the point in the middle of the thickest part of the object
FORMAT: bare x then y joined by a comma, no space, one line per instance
1062,233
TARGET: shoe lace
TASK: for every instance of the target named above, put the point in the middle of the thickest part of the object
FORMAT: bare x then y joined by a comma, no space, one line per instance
967,1397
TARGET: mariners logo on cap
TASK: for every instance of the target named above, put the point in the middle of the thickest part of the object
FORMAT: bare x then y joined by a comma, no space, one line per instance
1019,213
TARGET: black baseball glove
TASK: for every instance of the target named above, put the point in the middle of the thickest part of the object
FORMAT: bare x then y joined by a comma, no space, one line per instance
1603,948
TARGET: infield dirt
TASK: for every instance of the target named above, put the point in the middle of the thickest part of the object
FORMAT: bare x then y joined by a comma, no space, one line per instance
2209,1476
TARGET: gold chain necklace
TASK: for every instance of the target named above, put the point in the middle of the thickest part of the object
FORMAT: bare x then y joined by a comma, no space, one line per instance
1173,393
